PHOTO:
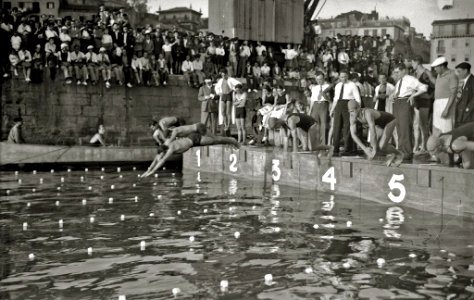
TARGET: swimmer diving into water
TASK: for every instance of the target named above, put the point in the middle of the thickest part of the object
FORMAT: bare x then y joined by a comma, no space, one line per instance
184,144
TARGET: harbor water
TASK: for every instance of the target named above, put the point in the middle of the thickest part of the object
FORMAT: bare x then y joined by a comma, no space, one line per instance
108,234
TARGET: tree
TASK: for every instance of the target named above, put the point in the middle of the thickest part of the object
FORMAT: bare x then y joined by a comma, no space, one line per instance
140,6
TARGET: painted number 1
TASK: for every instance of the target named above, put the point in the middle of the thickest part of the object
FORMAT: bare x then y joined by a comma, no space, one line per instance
233,163
198,156
395,184
276,172
330,177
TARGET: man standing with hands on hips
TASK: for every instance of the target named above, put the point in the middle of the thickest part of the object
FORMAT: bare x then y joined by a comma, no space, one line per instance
406,89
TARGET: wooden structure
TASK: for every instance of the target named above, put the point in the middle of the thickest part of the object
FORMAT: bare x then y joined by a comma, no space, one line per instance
278,21
424,187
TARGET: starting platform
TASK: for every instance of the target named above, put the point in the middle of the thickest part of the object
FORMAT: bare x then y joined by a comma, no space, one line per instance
424,187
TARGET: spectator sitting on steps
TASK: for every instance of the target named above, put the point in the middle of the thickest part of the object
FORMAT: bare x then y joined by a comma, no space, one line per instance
98,139
15,136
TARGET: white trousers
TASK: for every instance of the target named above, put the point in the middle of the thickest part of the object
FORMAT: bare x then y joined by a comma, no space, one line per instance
445,125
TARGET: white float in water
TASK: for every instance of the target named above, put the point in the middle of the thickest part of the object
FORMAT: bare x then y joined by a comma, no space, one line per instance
156,175
84,201
346,265
122,217
86,170
16,173
236,234
58,188
175,291
89,188
412,255
69,170
381,220
82,178
57,203
276,229
315,226
101,177
349,224
61,223
159,197
173,174
34,172
122,297
102,169
134,168
205,210
33,190
152,214
89,251
8,192
136,198
142,245
111,200
91,219
19,181
118,169
25,226
224,285
191,239
120,176
380,262
308,270
179,212
52,170
134,185
268,279
28,204
31,256
112,187
155,183
41,180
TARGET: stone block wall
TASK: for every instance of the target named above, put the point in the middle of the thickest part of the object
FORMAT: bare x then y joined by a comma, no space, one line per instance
55,113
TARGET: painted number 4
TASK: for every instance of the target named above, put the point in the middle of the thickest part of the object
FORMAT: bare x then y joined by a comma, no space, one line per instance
395,184
330,177
198,157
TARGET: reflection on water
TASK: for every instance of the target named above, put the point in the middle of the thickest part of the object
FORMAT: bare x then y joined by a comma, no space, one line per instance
204,236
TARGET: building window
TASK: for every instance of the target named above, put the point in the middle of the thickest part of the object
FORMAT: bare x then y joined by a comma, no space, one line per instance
440,49
36,8
461,29
453,43
50,5
384,32
453,58
7,5
366,32
21,5
374,32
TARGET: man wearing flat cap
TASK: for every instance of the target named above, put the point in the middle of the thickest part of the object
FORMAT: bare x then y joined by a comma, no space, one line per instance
464,112
445,94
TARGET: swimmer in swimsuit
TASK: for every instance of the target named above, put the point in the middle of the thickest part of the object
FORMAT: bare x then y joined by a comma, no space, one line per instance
381,125
184,144
303,128
98,138
161,129
158,134
460,141
186,130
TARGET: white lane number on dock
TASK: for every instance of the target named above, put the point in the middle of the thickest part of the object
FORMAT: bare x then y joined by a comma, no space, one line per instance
330,177
233,163
395,184
276,172
198,157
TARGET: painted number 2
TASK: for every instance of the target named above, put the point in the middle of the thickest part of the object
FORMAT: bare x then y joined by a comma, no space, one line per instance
233,163
330,177
198,157
395,184
276,172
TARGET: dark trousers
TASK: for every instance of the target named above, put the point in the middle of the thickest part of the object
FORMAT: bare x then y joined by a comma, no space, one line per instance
319,112
341,126
403,112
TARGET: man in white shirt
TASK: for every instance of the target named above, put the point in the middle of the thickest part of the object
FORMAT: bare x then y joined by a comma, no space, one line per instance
260,48
77,62
290,55
319,106
244,55
406,89
188,69
343,59
198,66
345,90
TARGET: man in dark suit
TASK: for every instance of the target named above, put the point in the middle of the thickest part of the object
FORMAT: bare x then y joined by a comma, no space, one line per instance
209,108
465,95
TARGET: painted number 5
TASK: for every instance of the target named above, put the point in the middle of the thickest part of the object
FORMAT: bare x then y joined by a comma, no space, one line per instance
395,184
276,172
198,157
329,177
233,163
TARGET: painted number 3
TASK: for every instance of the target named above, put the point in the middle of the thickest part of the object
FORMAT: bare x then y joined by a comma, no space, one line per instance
276,172
395,184
330,177
233,163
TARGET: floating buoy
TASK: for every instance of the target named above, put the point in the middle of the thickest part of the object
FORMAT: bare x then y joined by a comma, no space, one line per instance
173,174
91,220
224,284
69,170
205,210
89,188
89,251
31,256
84,201
349,224
57,203
112,187
8,192
25,226
152,214
412,255
102,169
122,217
381,220
380,262
82,178
315,226
101,177
308,270
191,239
28,204
61,223
134,168
179,212
111,200
134,185
276,229
142,245
41,180
236,234
33,190
136,198
154,183
86,170
19,181
268,279
16,173
122,297
159,197
346,265
121,176
118,169
34,172
58,188
175,291
52,170
156,175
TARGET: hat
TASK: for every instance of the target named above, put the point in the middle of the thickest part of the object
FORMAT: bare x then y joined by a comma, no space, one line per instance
63,45
64,28
464,66
90,47
439,61
102,49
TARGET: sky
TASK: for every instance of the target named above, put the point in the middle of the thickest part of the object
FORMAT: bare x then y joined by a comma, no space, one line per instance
421,13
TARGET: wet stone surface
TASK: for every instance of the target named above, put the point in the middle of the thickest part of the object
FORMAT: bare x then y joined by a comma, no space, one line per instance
111,235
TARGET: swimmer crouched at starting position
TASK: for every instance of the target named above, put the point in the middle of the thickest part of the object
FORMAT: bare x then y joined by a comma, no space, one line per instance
381,125
182,145
459,141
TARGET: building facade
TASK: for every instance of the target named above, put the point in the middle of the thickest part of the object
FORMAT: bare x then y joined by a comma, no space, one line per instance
182,16
453,39
46,7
